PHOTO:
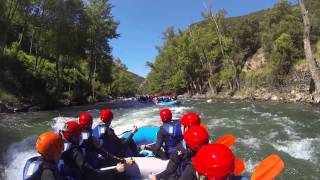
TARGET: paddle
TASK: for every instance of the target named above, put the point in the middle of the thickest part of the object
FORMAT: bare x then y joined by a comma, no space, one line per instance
107,168
239,167
227,140
269,168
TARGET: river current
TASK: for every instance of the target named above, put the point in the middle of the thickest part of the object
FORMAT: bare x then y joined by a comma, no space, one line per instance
289,130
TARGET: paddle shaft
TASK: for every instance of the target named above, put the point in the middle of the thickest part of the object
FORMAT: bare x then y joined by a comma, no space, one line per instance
108,168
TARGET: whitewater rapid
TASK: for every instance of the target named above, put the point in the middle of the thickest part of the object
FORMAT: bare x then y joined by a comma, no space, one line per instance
260,130
18,153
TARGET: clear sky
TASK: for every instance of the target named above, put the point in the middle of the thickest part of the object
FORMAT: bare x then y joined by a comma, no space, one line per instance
142,23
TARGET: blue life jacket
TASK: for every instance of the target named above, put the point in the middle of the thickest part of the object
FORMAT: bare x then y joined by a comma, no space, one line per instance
174,134
67,171
34,167
98,132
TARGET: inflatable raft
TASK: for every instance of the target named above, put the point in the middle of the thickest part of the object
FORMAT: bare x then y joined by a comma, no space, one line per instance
143,165
169,103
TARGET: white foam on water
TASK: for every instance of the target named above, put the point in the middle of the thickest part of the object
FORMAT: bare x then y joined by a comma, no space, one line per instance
59,122
299,148
273,135
138,117
266,114
251,165
209,100
180,109
16,157
251,142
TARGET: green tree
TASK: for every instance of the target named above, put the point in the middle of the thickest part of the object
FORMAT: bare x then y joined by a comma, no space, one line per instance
282,57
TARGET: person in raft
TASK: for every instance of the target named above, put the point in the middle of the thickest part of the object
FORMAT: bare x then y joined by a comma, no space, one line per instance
73,165
188,120
194,138
91,148
110,141
44,167
212,162
168,136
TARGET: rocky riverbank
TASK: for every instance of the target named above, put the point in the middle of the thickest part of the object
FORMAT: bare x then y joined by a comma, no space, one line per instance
296,88
6,107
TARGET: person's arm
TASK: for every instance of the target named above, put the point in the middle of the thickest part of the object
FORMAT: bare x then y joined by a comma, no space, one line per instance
108,156
85,166
116,140
173,164
160,138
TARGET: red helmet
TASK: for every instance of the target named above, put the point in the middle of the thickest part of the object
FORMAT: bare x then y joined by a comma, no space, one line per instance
72,129
106,116
190,119
85,120
215,161
196,137
165,115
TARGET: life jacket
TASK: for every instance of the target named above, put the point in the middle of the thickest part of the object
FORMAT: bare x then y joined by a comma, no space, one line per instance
68,171
34,167
88,150
99,132
174,136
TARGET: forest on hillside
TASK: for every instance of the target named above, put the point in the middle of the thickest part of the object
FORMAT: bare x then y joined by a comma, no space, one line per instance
60,50
210,56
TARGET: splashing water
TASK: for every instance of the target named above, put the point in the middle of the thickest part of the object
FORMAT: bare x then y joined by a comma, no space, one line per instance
292,131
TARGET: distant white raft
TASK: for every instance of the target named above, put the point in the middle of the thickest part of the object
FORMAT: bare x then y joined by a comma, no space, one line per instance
143,166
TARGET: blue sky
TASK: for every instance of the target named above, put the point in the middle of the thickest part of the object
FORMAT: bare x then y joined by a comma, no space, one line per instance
142,23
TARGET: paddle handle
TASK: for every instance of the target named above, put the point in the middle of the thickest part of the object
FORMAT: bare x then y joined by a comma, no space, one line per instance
108,168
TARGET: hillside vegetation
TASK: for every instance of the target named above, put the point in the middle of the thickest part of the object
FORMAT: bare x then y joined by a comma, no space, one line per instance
213,56
58,51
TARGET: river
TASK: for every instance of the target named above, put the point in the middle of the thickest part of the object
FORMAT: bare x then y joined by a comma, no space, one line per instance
290,130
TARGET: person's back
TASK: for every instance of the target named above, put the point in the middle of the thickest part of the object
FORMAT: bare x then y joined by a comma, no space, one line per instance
172,136
44,167
168,136
110,141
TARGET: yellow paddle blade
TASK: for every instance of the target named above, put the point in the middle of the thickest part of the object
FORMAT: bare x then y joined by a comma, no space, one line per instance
268,169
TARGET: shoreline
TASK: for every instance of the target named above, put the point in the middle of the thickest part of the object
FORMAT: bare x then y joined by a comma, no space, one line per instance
256,96
11,108
301,98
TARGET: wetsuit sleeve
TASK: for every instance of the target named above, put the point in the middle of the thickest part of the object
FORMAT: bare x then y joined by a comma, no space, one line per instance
160,138
106,154
116,140
48,174
85,166
188,173
172,165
